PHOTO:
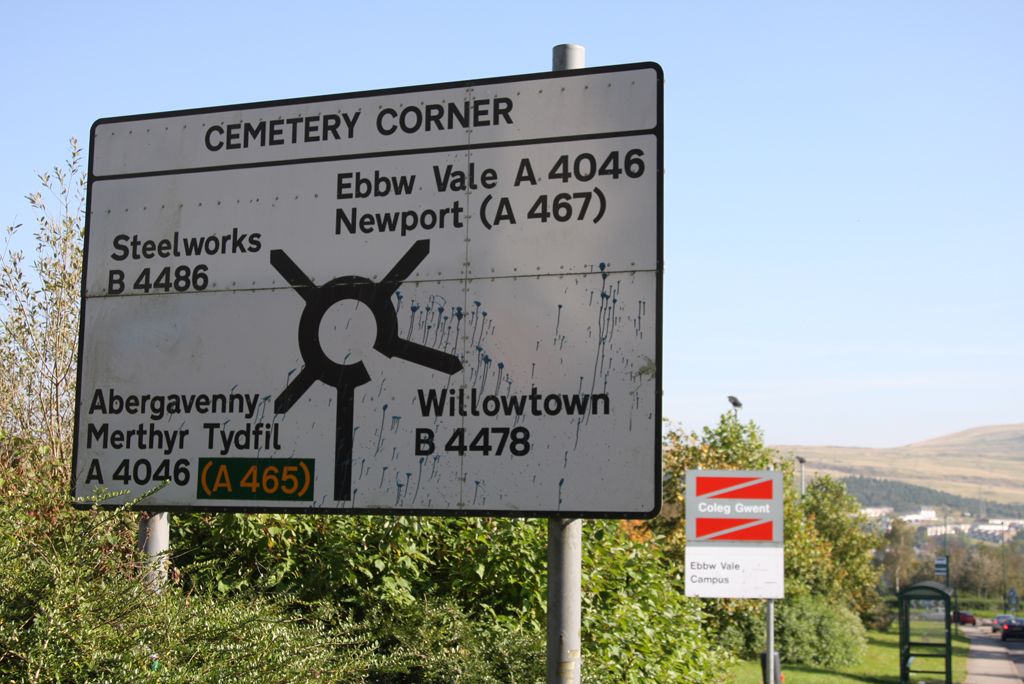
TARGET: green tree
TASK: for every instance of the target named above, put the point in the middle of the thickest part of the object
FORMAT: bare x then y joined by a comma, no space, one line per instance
851,542
39,344
984,571
829,545
899,558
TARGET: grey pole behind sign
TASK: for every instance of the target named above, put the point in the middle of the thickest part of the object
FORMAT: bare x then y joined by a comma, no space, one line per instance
154,540
565,536
769,670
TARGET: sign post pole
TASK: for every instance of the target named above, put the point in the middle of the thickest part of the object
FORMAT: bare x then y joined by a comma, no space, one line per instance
564,585
565,536
154,540
770,659
770,619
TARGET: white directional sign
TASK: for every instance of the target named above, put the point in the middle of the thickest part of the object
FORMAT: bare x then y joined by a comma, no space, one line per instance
734,534
435,300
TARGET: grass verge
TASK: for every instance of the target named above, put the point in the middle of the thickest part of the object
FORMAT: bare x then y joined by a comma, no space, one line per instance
881,664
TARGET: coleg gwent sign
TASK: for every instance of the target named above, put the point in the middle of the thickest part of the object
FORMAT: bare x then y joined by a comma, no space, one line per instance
734,534
438,300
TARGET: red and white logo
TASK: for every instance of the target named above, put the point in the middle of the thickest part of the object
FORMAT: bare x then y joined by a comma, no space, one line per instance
756,523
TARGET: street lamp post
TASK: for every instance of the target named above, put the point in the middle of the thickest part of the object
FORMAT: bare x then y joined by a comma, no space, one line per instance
736,405
802,461
945,537
1006,607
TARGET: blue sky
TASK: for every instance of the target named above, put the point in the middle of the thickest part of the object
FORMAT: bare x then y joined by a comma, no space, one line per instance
844,208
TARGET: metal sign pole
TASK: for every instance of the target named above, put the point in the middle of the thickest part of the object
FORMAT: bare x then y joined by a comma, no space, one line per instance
565,561
769,669
770,625
565,536
154,541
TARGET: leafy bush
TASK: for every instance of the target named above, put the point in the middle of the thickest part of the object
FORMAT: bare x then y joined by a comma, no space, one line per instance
813,631
73,606
743,632
439,644
494,568
637,625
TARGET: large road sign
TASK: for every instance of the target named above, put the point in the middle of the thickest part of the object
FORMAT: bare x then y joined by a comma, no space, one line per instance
434,300
734,534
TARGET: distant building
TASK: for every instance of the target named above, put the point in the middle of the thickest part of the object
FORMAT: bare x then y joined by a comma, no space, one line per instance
924,515
991,531
877,512
951,528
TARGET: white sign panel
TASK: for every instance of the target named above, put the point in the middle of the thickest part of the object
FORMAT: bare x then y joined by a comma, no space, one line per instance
439,300
732,571
734,534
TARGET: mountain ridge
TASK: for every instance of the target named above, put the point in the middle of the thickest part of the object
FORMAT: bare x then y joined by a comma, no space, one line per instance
980,463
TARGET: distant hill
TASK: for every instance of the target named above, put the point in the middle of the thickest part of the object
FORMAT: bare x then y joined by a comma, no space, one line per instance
906,498
980,463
